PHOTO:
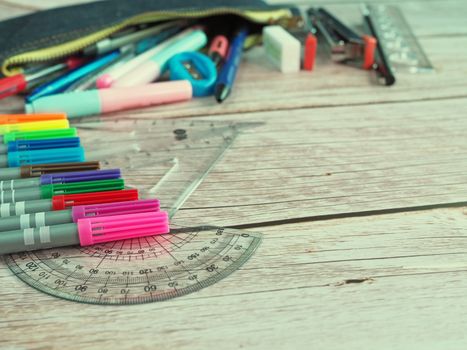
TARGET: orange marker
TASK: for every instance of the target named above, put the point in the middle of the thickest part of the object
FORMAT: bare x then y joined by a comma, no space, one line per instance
27,118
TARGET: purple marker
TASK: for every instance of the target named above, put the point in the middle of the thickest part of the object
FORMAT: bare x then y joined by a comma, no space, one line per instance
59,178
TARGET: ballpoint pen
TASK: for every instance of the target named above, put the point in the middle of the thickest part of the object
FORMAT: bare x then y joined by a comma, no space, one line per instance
228,73
20,82
61,83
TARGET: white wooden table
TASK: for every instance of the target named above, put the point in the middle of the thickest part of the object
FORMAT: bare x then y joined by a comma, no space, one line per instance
359,191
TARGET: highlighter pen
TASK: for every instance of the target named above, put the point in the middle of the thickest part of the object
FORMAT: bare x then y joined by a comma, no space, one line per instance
60,178
29,118
20,82
33,126
150,70
60,84
39,135
86,232
229,70
34,145
66,201
77,212
55,155
48,191
27,171
92,102
110,44
107,79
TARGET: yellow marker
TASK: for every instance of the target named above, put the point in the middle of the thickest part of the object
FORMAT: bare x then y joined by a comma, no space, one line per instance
33,126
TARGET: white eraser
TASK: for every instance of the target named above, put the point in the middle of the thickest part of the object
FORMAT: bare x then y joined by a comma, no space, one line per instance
282,48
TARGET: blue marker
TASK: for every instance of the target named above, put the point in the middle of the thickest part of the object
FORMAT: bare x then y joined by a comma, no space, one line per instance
34,145
228,72
60,84
44,156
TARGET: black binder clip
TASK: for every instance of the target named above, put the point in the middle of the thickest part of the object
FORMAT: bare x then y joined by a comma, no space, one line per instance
344,45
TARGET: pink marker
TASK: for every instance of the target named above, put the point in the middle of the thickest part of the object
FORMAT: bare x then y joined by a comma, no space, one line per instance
92,102
87,231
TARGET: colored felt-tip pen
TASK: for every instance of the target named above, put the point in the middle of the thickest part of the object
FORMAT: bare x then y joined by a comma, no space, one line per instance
218,49
66,201
44,156
29,118
92,102
60,84
39,135
48,191
76,213
33,126
150,70
86,232
34,145
60,178
36,170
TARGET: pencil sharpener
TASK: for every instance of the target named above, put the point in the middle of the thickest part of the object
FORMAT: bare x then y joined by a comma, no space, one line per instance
197,68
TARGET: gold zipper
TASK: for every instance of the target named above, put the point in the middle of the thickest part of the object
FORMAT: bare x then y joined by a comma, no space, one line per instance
68,48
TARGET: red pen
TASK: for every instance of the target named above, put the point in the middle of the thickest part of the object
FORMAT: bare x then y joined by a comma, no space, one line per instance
218,49
17,83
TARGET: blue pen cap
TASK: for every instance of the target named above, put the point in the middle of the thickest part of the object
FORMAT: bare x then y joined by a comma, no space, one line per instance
32,145
79,176
46,156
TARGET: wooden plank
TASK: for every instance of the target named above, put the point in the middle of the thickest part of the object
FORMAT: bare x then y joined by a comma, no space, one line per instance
399,278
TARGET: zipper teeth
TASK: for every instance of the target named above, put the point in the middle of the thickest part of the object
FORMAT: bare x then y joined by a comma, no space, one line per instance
146,17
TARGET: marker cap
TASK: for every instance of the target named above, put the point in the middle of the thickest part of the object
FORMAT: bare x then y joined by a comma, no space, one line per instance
40,134
80,176
28,118
62,202
48,191
118,208
32,145
41,169
56,155
118,227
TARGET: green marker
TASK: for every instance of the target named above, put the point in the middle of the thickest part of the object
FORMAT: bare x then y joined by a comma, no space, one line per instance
48,191
40,134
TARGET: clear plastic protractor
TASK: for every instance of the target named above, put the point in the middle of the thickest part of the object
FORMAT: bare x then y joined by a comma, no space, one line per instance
139,270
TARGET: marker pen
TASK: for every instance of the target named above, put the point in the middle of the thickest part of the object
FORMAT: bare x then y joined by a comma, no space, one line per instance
91,102
86,232
61,83
33,126
60,178
32,145
48,191
77,212
66,201
110,78
28,118
150,70
40,135
27,171
44,156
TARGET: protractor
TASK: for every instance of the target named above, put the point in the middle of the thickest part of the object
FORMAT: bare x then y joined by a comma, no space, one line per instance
138,270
